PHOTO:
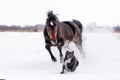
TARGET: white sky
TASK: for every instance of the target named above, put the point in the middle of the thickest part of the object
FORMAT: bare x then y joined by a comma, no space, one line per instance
22,12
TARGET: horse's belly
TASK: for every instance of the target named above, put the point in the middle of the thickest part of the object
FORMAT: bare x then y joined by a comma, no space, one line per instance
69,37
67,33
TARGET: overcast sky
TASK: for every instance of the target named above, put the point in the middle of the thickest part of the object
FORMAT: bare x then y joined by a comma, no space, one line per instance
22,12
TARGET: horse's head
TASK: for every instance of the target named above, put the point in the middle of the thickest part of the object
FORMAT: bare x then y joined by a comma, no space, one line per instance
51,25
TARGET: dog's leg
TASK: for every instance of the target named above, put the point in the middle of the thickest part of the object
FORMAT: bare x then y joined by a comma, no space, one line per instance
77,63
74,66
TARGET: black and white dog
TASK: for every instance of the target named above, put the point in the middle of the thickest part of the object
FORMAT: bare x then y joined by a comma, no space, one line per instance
70,62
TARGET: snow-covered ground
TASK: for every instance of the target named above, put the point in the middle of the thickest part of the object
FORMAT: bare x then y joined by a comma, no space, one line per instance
23,57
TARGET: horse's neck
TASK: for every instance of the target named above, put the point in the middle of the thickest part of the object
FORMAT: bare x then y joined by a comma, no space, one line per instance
60,31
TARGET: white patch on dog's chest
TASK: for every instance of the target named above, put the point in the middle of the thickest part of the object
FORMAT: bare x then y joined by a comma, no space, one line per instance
66,62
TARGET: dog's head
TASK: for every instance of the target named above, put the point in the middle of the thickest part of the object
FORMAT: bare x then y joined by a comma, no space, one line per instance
69,55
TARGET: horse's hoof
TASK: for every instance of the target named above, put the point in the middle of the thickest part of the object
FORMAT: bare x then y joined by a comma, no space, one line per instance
61,72
61,60
54,59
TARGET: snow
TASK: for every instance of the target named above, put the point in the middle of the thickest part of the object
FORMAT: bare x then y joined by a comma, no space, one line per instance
24,57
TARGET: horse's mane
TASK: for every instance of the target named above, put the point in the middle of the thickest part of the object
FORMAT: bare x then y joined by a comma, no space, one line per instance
52,16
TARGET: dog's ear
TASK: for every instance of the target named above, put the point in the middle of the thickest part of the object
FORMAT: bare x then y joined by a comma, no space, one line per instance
72,52
67,51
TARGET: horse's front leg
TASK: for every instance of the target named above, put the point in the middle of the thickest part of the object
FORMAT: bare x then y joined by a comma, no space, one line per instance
61,55
49,50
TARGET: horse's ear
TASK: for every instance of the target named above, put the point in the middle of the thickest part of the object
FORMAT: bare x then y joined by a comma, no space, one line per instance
49,13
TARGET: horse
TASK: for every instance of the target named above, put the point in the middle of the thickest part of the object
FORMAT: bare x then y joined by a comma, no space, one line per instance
58,34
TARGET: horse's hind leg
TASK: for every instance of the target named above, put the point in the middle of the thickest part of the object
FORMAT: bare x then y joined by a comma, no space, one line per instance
49,50
66,46
78,43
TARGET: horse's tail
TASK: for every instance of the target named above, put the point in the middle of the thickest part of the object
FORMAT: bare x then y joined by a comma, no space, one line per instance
79,24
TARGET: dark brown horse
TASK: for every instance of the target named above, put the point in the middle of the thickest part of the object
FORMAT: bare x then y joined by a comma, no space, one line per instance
57,33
